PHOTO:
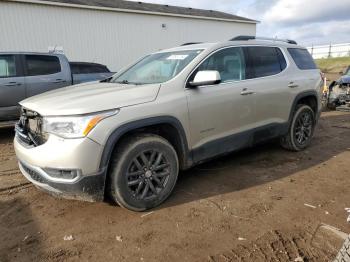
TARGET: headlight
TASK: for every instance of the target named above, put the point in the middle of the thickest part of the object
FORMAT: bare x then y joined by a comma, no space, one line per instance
74,126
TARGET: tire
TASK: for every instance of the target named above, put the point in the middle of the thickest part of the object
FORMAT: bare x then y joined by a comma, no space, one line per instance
291,141
344,253
332,106
143,172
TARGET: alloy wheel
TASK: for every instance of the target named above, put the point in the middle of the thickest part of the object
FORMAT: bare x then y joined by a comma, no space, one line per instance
303,128
148,174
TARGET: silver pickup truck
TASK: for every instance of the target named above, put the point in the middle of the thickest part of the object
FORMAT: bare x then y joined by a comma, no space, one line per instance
23,75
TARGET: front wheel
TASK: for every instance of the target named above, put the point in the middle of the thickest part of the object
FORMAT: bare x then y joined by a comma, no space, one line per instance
301,129
144,170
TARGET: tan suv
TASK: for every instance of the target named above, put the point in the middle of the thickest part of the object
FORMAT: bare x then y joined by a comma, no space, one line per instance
129,135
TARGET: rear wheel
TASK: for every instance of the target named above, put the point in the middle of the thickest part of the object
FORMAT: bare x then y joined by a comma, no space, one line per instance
301,129
144,170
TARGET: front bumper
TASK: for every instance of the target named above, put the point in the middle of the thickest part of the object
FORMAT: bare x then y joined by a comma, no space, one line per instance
86,188
82,155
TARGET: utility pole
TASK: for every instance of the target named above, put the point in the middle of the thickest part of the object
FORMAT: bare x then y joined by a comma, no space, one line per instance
330,50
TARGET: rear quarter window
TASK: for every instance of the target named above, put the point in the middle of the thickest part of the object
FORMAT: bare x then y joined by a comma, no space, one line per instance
302,58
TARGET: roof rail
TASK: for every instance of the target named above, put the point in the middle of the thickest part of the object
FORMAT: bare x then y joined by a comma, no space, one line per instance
249,37
191,43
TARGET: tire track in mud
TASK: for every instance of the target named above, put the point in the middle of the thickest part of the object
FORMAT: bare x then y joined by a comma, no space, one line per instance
10,176
10,172
275,246
19,186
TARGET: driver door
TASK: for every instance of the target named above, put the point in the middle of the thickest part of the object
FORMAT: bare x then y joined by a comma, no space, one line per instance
221,115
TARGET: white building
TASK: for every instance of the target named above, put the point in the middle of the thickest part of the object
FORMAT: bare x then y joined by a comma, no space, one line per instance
111,32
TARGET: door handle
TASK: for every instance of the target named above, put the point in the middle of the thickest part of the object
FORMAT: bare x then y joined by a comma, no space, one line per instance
292,85
13,84
246,92
59,81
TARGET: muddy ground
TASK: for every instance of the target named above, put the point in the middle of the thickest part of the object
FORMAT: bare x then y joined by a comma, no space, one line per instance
248,206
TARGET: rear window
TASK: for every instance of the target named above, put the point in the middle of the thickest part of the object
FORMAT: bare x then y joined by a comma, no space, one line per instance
79,68
42,65
7,66
302,58
266,61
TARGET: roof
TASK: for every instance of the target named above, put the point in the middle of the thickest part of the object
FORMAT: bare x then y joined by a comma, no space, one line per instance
141,7
189,47
213,46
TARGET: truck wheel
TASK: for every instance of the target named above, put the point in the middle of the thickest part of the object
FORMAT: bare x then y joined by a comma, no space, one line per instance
301,129
143,172
344,252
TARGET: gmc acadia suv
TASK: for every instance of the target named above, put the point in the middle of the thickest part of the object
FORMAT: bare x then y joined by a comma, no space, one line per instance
129,135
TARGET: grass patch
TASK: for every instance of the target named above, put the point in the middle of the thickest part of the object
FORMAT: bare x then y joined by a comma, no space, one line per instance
333,65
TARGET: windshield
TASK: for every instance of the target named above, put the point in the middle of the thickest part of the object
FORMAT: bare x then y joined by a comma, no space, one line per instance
157,68
348,71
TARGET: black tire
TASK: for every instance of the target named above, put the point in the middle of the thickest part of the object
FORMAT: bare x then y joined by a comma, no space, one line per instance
344,252
332,106
143,163
291,141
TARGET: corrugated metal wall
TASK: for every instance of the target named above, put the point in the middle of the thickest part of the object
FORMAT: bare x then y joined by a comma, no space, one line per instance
111,38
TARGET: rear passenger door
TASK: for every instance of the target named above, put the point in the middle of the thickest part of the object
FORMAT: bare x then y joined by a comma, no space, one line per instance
272,95
12,89
43,73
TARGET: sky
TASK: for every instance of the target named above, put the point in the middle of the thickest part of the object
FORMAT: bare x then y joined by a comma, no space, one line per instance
309,22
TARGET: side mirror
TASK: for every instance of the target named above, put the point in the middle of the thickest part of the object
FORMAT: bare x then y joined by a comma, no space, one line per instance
204,78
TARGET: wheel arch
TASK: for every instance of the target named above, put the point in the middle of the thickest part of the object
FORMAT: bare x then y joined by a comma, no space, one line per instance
309,98
167,127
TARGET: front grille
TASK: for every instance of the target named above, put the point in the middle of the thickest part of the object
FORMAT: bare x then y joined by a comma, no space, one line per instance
29,128
33,174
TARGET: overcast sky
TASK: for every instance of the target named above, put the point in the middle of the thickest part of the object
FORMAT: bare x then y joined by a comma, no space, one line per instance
307,21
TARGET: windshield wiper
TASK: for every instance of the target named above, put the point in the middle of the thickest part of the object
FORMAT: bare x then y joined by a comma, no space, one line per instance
126,82
106,80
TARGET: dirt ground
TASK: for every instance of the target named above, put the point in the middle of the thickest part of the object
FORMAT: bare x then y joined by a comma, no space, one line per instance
248,206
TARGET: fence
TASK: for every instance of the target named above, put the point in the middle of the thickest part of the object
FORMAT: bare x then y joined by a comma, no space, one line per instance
331,50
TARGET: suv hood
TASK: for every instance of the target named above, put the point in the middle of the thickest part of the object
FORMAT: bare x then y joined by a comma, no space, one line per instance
90,97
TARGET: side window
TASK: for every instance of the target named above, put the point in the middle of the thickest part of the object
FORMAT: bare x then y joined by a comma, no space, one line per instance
7,66
100,69
266,61
42,65
302,58
229,62
80,68
75,68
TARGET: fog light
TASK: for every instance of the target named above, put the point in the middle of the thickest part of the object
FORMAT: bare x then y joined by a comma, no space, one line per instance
65,174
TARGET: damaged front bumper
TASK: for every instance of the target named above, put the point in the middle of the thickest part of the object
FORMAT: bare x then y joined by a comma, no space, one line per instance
68,168
86,188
